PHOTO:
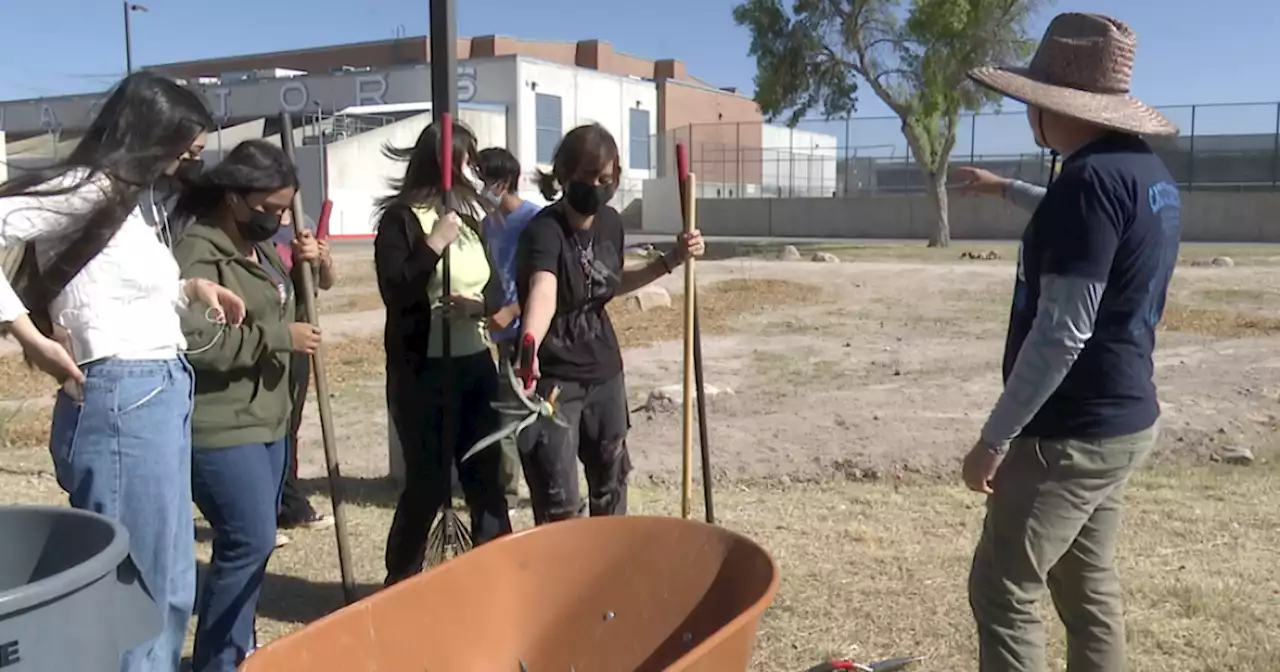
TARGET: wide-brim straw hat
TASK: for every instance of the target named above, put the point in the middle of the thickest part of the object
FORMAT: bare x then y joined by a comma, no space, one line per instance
1082,69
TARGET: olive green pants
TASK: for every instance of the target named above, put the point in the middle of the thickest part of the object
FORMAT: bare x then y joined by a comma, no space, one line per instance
1051,527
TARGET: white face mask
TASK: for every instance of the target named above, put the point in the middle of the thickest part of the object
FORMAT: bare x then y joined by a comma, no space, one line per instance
473,179
489,198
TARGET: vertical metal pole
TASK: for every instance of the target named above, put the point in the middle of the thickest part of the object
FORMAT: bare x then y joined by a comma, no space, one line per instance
128,42
324,159
973,138
848,142
737,143
791,163
444,58
1275,151
693,167
1191,154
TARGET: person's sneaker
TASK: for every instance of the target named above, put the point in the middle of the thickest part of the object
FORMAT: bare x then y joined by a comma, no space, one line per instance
282,539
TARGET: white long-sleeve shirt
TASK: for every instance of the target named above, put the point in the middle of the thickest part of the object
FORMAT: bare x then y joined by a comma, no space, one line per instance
125,302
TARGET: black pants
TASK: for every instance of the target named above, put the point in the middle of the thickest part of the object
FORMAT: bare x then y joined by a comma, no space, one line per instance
597,435
466,390
294,507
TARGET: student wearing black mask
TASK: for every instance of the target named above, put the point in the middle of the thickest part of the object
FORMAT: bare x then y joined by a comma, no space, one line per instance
569,265
240,423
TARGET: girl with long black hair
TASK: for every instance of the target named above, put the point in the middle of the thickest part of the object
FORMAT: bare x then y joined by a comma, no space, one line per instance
95,304
243,404
411,239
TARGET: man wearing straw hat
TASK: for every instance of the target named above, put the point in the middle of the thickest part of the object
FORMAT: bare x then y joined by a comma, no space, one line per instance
1079,408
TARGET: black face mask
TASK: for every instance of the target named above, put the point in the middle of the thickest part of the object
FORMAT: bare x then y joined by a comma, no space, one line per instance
587,199
260,227
188,171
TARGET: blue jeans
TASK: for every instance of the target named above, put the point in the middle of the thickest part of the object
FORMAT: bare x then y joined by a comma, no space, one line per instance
125,452
238,491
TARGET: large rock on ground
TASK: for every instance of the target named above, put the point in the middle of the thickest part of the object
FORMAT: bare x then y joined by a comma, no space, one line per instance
671,397
650,297
789,253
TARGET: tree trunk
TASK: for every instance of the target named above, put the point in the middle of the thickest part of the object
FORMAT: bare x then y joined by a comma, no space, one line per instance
941,236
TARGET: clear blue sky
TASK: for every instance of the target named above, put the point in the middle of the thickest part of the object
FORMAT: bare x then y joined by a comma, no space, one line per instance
1189,51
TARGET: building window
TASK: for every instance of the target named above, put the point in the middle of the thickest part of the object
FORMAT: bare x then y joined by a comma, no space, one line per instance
638,145
548,124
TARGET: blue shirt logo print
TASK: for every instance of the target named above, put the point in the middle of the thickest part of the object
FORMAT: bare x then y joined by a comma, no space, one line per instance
1164,201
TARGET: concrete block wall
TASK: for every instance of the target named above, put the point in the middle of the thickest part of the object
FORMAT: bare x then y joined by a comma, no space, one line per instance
1206,216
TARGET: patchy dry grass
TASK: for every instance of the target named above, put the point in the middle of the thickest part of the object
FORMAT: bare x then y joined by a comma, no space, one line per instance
355,361
24,425
871,251
719,304
1217,323
866,572
19,381
351,302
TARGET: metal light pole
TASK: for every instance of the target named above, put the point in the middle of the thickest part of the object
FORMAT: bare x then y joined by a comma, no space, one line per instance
129,8
444,58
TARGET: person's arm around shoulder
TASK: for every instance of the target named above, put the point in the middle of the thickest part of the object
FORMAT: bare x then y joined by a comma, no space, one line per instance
214,344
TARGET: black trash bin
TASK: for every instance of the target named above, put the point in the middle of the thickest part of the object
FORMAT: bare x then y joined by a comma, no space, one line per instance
70,597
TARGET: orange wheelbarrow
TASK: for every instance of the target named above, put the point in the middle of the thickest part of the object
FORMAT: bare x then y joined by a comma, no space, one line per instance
610,594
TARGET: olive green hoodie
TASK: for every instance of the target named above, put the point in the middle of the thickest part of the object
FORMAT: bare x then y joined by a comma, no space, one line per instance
242,373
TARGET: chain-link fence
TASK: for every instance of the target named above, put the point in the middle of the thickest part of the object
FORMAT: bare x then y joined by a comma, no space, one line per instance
1222,147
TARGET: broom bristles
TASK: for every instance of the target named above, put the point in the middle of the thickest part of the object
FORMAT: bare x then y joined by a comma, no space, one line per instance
448,538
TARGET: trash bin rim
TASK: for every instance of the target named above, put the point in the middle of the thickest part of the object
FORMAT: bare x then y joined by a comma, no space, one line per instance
71,580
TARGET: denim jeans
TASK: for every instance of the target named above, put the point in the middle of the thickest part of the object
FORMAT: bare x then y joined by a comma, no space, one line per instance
238,491
125,452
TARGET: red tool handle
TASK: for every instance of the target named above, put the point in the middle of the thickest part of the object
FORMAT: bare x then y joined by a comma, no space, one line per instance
322,224
528,348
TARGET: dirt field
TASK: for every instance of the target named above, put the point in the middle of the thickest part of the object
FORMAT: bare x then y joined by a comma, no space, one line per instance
856,389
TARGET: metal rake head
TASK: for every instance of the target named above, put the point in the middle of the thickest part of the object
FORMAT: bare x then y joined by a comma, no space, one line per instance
448,538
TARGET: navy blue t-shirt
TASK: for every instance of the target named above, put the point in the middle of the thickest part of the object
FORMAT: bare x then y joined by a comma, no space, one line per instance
1114,216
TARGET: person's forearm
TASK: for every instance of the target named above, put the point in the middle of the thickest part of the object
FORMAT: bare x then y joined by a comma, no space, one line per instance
636,278
23,330
540,307
326,278
1064,323
1024,194
504,316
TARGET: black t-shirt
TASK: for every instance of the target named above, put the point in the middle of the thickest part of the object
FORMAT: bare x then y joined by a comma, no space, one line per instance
580,345
1112,216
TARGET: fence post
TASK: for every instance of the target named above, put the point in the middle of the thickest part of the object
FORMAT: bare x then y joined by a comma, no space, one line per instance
791,163
737,144
1191,154
693,163
973,138
1275,150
